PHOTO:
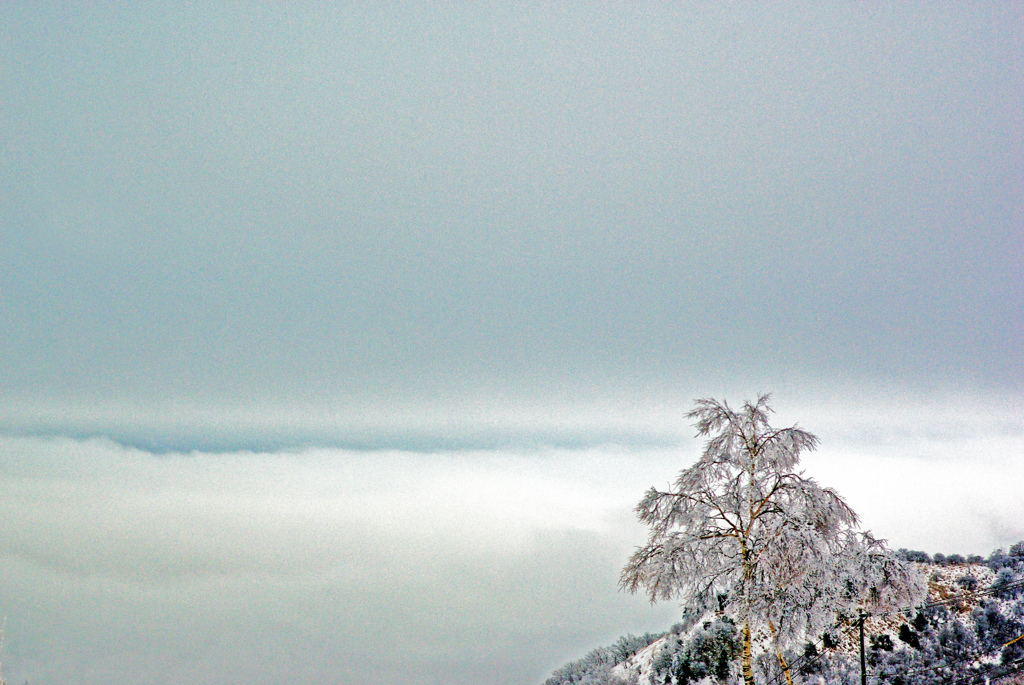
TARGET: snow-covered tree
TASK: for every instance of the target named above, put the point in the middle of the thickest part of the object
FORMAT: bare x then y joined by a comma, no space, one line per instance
741,531
875,579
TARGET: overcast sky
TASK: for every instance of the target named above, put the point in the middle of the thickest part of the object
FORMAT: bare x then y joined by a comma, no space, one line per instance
338,341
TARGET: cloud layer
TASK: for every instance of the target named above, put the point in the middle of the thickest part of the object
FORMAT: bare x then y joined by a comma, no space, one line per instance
368,567
465,566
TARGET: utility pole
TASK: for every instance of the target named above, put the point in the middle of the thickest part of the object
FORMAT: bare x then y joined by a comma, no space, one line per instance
863,665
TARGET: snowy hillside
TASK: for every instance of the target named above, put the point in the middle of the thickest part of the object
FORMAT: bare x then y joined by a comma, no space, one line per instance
971,630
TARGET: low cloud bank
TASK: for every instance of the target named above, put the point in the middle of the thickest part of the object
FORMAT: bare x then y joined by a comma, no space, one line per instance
318,565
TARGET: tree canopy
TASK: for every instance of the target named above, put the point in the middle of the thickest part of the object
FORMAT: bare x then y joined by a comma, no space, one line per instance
741,531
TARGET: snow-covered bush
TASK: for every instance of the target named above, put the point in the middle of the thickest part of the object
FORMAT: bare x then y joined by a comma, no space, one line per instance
968,582
629,645
596,667
914,555
1004,584
711,652
592,669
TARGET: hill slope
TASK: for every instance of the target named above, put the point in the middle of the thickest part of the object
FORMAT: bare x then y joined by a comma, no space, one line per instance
971,628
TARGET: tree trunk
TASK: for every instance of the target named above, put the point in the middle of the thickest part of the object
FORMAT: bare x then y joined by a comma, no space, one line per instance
785,667
748,670
782,659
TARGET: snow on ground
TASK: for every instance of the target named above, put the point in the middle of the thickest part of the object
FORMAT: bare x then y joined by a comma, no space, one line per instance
944,583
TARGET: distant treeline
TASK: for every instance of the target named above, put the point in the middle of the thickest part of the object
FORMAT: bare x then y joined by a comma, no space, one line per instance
995,561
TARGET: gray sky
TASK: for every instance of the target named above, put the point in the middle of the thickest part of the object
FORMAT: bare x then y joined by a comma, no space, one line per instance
304,243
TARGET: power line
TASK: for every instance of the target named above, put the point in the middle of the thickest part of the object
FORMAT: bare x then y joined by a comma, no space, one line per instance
993,671
990,590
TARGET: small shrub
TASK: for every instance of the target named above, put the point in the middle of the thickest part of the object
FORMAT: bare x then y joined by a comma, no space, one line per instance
957,642
1001,587
629,645
710,653
882,642
910,636
920,621
998,560
968,582
915,555
811,661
